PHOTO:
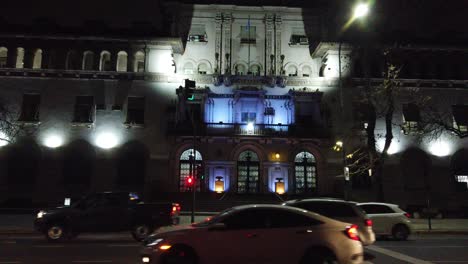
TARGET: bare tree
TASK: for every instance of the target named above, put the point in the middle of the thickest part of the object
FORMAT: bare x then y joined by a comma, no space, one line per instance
9,128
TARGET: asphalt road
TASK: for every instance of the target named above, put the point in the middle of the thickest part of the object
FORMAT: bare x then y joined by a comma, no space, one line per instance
121,248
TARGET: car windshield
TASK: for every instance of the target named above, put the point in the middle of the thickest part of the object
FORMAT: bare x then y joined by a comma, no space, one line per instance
213,219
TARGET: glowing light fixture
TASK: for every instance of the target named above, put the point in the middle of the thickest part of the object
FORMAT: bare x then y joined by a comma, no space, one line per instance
279,186
106,140
3,139
219,184
53,141
165,247
250,126
277,155
145,259
361,10
439,148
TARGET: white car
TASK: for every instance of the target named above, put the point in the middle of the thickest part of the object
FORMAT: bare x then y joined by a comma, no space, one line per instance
388,220
257,234
340,210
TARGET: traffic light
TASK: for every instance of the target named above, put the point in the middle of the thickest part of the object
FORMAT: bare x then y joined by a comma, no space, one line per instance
189,181
200,172
189,91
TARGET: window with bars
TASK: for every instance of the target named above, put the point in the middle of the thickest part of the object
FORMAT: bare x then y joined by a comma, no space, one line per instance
197,34
30,108
248,34
411,118
248,117
135,110
460,117
84,109
269,111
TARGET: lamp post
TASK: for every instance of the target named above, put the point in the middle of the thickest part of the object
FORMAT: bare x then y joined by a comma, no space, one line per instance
361,10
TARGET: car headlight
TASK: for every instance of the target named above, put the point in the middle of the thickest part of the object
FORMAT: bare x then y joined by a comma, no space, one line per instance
154,242
41,214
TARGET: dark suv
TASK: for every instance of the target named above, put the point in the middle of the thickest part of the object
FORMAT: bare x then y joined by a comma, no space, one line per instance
341,210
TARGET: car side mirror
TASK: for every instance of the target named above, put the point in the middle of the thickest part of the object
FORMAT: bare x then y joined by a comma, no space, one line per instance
217,227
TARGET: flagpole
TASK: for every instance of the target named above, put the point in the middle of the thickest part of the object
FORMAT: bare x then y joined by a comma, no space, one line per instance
248,61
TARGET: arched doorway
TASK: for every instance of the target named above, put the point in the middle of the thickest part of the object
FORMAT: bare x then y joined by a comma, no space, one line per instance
305,173
187,168
248,172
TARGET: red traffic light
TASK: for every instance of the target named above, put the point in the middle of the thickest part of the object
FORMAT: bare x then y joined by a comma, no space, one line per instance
189,181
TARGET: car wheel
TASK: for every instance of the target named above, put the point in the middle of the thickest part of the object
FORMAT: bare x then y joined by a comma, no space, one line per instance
55,232
400,232
141,231
179,255
319,256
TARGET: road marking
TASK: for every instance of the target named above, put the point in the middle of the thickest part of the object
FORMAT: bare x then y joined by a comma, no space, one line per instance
123,245
92,261
49,246
397,255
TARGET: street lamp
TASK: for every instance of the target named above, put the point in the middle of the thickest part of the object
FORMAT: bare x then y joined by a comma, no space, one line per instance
361,10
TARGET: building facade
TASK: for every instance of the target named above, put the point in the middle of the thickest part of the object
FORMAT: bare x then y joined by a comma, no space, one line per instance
267,98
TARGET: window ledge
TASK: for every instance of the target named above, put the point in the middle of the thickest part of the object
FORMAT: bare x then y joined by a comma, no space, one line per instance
28,123
198,42
82,124
133,125
299,45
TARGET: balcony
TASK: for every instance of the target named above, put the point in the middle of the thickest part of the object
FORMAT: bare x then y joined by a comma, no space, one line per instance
256,130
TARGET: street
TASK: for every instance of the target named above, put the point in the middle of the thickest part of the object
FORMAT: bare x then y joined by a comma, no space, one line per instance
121,248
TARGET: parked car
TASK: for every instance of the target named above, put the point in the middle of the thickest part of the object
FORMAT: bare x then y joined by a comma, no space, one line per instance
106,212
257,234
340,210
388,219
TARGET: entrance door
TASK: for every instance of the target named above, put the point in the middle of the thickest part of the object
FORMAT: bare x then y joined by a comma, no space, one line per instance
248,172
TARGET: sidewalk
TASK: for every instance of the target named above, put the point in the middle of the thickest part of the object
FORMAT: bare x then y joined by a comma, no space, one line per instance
23,224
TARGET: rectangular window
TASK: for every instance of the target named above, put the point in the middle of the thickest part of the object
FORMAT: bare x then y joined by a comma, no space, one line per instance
248,117
462,179
84,109
248,34
197,34
30,108
136,110
298,37
460,117
411,118
269,111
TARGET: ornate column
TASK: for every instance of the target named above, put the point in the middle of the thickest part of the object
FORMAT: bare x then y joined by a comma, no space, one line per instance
218,43
227,54
269,50
278,22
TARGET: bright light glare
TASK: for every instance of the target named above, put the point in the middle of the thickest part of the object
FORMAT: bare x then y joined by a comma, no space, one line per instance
439,148
361,10
250,126
394,146
106,140
3,139
53,141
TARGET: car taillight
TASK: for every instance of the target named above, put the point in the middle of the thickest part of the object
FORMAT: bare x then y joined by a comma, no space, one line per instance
352,232
175,209
368,222
408,215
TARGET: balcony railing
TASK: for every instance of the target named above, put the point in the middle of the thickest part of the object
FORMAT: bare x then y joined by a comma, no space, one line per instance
256,130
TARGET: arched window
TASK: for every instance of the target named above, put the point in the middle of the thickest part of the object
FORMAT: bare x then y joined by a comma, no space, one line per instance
239,69
3,57
291,70
105,62
305,172
19,58
306,71
255,70
139,62
202,68
122,61
88,60
72,62
186,167
248,172
37,61
188,68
